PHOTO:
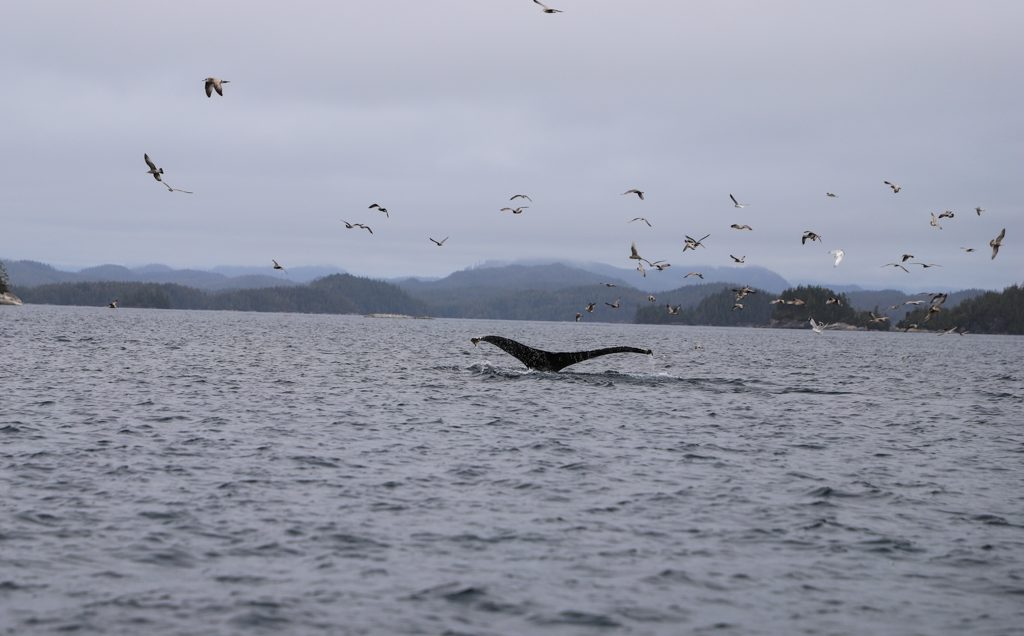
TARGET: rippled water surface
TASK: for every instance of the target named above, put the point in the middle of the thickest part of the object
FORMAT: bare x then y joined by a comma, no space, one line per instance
169,472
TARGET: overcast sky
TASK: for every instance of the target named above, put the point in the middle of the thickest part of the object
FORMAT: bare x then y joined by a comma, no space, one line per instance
442,109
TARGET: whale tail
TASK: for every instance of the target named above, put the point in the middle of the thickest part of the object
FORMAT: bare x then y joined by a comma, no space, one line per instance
550,360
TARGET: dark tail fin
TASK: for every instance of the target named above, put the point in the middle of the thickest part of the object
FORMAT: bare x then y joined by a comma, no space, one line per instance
551,360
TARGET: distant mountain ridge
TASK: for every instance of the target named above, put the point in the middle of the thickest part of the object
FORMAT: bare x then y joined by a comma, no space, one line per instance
33,274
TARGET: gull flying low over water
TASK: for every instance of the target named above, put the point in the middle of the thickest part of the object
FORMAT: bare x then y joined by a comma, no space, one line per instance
894,186
437,242
113,304
640,218
614,305
578,316
997,242
737,204
545,8
838,254
520,196
590,307
818,327
215,84
673,311
809,236
634,190
738,226
380,208
156,172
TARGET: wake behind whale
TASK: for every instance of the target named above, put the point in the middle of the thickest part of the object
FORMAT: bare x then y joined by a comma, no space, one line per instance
550,360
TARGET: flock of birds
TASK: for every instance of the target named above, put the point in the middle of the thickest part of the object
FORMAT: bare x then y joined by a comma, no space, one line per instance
515,207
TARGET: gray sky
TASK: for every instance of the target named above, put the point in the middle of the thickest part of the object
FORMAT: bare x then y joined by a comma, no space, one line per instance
442,109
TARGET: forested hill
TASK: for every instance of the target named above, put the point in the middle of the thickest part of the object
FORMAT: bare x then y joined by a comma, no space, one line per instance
991,312
336,294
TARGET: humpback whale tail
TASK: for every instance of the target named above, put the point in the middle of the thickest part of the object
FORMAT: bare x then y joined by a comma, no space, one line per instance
550,360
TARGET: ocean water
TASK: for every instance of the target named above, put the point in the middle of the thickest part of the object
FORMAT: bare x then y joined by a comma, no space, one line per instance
179,472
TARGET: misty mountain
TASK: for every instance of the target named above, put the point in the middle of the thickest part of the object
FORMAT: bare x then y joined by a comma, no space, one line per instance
32,274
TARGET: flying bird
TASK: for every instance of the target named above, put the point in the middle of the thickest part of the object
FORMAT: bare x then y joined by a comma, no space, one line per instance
697,274
156,172
364,227
935,221
737,204
832,300
737,306
520,196
518,210
113,304
831,195
215,84
967,250
640,218
979,210
817,327
744,226
590,307
997,242
380,208
673,311
276,264
614,305
634,190
545,7
691,243
738,259
895,187
633,254
839,254
925,265
948,214
906,257
809,236
437,242
650,297
900,265
578,316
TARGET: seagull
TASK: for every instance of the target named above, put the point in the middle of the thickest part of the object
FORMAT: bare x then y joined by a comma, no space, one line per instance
935,221
590,308
673,311
737,204
650,297
979,210
832,300
906,257
692,243
737,226
640,218
900,265
277,265
520,196
614,305
660,265
878,319
817,327
215,84
437,242
634,190
839,254
578,316
895,187
697,274
948,214
799,302
809,236
776,301
738,259
156,172
633,254
380,208
362,226
545,7
742,292
113,304
831,195
609,284
926,265
737,306
518,210
997,242
913,302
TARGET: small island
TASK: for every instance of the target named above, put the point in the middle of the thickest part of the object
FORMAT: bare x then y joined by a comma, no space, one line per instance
6,297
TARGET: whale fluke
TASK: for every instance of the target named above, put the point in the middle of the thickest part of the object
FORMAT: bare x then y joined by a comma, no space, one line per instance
550,360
